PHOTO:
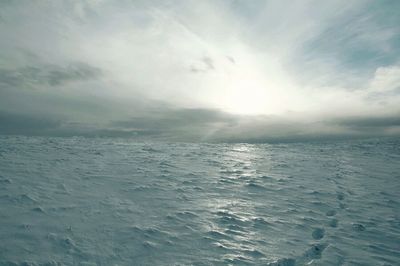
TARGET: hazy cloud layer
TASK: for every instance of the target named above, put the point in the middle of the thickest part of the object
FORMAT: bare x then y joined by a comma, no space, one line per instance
230,70
204,125
51,75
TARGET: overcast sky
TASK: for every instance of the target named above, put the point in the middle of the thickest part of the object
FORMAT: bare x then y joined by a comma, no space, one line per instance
232,70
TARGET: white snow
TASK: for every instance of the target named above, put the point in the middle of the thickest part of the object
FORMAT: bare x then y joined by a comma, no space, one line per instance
83,201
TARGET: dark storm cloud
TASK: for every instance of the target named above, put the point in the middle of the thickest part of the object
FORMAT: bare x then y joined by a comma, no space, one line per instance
213,125
47,74
158,123
178,124
369,122
199,125
24,124
169,119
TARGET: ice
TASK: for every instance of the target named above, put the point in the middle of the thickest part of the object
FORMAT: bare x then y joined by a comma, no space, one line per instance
358,227
318,233
105,201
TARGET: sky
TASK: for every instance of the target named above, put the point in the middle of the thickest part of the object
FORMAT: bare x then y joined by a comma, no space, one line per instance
221,70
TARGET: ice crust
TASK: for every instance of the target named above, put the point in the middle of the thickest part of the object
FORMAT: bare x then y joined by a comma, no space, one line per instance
80,201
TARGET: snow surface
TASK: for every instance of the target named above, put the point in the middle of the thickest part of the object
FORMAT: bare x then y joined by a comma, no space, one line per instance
80,201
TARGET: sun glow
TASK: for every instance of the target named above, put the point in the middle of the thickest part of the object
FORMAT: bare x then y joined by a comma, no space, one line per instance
247,90
245,97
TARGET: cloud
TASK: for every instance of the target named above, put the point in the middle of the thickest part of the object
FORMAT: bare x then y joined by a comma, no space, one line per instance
231,59
203,125
206,64
363,123
24,124
47,74
179,124
201,70
216,126
386,79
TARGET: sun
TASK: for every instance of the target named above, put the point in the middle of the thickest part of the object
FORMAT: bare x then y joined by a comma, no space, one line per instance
247,99
246,92
250,84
